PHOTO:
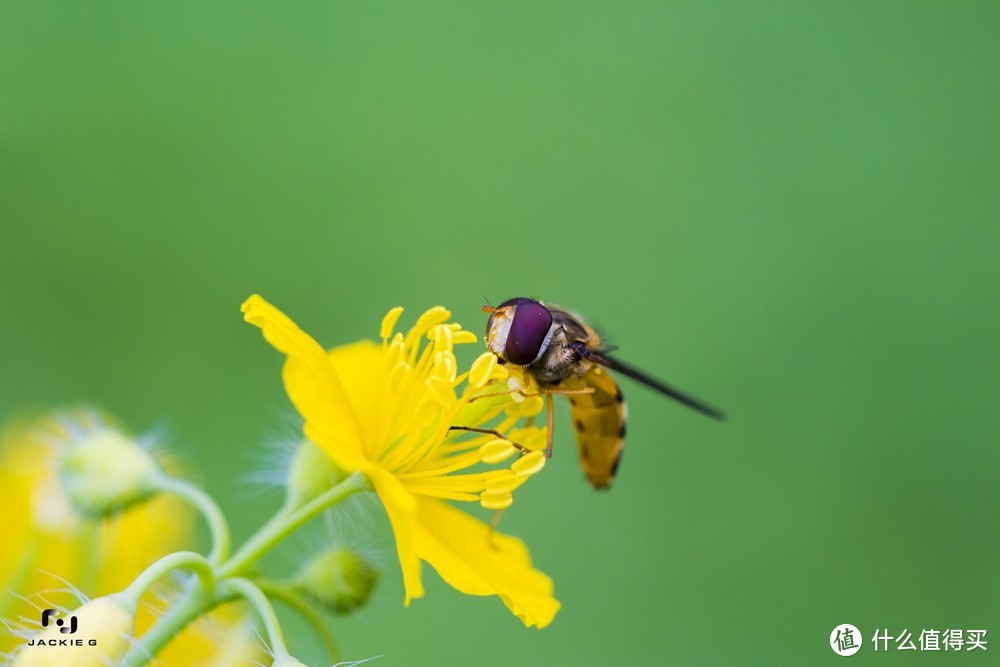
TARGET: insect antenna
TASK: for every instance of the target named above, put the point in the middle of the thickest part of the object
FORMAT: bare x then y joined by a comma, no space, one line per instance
488,308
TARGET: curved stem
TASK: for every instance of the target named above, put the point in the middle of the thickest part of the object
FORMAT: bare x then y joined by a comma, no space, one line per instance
217,526
182,559
195,603
199,598
285,522
260,603
292,598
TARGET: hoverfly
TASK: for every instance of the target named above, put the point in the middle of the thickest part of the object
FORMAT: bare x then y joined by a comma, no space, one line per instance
565,356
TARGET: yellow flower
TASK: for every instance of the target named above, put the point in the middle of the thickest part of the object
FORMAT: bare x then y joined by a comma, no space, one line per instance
386,411
45,536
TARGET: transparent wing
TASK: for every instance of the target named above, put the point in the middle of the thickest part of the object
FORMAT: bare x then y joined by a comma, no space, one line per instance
601,357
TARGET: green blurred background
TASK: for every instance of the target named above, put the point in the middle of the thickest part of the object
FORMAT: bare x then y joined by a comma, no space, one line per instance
789,209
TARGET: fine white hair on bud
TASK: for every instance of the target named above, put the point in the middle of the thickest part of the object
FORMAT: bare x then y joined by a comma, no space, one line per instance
106,471
96,634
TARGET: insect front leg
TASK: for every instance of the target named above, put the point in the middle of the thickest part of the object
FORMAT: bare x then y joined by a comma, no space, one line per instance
490,431
502,393
525,394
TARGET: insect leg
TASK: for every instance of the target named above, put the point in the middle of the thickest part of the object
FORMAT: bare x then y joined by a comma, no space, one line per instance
567,392
524,394
550,423
501,393
489,431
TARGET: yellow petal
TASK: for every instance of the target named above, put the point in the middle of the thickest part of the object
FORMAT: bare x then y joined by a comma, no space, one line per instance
310,380
359,366
348,459
478,561
400,506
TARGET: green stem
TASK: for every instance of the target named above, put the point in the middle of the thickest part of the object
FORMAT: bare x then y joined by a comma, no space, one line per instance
259,601
217,526
285,522
292,598
195,603
182,559
198,599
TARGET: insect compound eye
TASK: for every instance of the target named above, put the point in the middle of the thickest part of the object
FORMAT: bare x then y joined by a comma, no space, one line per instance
527,332
506,305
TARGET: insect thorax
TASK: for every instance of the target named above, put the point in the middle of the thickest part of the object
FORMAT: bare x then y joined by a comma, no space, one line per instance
560,360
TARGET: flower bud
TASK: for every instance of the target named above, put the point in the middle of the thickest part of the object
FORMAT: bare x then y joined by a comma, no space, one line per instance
312,472
340,579
101,631
106,472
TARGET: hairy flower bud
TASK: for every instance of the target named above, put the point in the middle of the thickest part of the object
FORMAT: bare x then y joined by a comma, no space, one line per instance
98,633
106,472
340,579
311,473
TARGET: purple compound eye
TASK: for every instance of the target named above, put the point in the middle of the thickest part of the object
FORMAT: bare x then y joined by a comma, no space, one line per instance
527,332
506,304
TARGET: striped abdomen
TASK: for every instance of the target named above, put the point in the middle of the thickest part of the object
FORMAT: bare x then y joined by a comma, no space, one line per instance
599,421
